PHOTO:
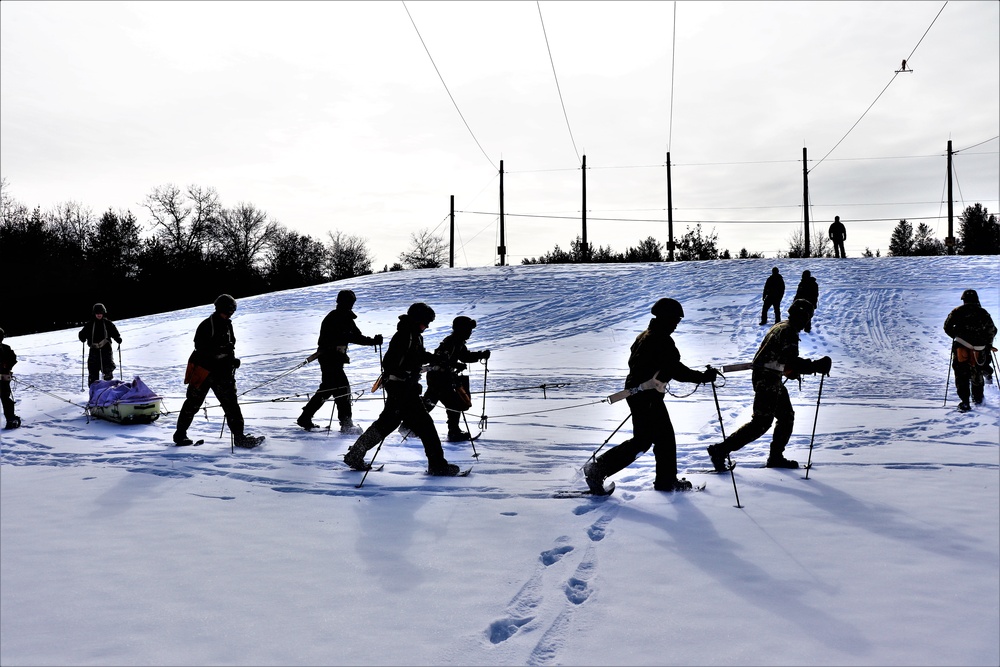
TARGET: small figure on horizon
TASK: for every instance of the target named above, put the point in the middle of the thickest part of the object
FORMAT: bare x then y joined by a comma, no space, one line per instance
838,234
213,366
653,362
972,332
774,291
7,361
808,290
776,359
98,334
335,333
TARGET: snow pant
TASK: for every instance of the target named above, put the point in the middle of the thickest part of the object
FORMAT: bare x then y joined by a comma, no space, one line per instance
970,377
223,385
768,303
651,427
101,362
404,403
770,403
6,398
453,393
838,248
333,384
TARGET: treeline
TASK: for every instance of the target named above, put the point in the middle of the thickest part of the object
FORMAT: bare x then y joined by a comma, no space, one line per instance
978,234
58,263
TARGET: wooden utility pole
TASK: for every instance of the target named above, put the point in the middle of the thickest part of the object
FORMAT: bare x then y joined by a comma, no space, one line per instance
805,198
670,214
585,249
502,249
950,241
451,255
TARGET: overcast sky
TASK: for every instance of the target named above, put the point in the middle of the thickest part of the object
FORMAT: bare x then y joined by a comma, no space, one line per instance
332,115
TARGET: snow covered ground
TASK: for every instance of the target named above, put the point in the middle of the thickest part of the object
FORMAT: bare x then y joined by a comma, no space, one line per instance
118,548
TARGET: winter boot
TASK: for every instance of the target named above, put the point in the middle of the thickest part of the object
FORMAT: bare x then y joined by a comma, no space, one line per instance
779,461
964,406
443,469
348,426
306,422
676,485
247,441
355,456
718,456
108,377
458,435
181,439
594,475
13,423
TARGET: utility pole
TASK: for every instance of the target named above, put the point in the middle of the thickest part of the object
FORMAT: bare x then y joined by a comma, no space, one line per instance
805,198
585,250
950,241
502,249
451,255
670,214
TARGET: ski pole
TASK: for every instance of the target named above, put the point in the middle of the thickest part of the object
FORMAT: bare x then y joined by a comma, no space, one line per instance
370,463
83,365
472,440
947,381
381,372
722,429
121,368
482,418
593,456
813,437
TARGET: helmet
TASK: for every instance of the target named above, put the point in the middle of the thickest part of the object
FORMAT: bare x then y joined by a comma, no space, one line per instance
806,274
99,308
801,309
225,304
667,309
774,270
422,313
346,298
464,324
970,296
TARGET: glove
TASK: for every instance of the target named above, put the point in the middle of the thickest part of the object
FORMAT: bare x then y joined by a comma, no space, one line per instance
312,357
485,354
118,340
709,375
459,367
377,339
654,383
236,364
822,366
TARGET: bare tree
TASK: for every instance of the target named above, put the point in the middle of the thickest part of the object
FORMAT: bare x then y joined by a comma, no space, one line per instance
818,247
72,223
348,256
426,251
240,235
182,220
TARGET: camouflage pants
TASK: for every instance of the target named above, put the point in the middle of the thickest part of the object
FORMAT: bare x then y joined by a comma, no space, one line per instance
770,403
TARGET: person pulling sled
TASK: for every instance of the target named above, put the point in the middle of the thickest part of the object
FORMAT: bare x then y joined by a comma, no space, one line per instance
972,331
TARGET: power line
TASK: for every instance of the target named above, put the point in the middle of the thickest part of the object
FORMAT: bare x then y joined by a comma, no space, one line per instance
558,90
883,90
446,85
702,221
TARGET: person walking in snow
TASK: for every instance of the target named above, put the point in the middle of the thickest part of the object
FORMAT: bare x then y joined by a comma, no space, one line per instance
838,234
653,362
776,359
336,332
7,361
808,290
972,332
97,335
401,369
774,291
213,366
444,382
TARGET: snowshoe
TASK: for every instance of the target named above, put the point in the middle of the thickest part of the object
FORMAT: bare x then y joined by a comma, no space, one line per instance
444,470
676,485
307,423
349,427
248,441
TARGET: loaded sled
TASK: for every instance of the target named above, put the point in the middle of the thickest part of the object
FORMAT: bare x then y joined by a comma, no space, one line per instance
124,402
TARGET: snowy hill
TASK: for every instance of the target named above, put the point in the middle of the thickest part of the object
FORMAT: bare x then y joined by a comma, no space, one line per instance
118,548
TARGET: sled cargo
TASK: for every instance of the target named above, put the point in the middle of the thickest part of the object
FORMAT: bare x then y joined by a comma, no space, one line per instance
124,402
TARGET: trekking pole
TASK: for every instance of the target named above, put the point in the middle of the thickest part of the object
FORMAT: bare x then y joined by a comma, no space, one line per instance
329,427
951,361
370,464
593,456
121,368
483,418
381,372
813,437
472,440
83,364
722,429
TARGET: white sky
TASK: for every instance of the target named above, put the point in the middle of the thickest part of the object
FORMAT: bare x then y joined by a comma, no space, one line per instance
331,116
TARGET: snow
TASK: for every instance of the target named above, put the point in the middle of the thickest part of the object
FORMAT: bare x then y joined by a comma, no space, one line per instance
118,548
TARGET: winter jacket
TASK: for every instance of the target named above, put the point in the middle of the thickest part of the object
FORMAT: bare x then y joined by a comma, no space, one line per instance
838,232
215,345
808,289
972,323
654,352
774,288
336,332
452,353
406,354
778,354
98,330
7,359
